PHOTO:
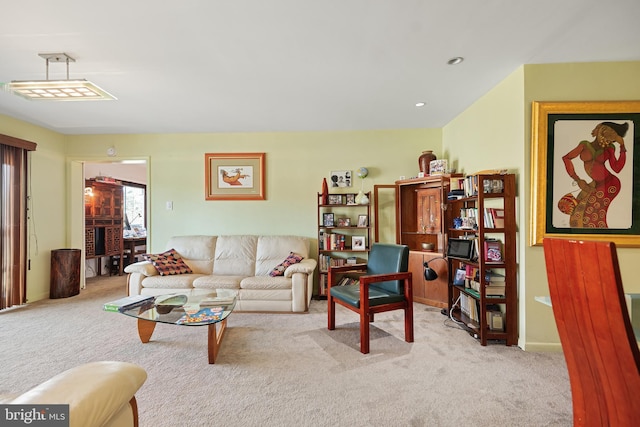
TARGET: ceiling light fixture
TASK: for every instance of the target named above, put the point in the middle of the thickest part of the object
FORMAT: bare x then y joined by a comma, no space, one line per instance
59,90
455,61
420,104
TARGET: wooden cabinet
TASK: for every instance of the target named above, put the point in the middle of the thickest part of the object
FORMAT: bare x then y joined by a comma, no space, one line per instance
344,232
421,215
103,204
484,297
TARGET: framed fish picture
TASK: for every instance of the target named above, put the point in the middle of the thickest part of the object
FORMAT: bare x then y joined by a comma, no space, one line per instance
234,176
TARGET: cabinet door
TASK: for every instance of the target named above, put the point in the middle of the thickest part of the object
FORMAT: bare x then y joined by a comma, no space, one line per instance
418,282
90,242
433,292
428,215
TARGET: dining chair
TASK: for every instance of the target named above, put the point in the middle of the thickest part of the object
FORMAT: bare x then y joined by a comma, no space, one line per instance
595,331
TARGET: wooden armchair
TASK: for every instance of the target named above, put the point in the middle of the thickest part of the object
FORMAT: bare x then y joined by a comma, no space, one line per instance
386,286
599,345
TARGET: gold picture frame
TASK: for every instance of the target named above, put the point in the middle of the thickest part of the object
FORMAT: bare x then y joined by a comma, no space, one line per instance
567,140
234,176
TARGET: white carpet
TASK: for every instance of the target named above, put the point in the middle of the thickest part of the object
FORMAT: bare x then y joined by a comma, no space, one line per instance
289,370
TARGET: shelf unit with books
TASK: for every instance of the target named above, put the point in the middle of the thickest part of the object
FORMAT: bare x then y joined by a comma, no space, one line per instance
344,234
483,281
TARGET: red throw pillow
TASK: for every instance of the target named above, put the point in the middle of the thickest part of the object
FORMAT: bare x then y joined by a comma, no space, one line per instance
279,269
168,263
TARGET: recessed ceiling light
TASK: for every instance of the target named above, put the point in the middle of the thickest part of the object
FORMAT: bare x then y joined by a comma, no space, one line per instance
420,104
455,61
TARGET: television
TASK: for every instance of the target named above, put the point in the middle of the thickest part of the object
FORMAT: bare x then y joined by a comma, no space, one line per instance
461,249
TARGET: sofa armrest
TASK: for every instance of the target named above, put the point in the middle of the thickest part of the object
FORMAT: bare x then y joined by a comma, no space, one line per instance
306,266
143,267
94,391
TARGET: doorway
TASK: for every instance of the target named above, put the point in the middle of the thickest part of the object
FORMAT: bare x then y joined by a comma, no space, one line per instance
133,175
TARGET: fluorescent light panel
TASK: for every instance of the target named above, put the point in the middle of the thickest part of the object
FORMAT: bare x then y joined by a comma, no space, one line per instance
60,90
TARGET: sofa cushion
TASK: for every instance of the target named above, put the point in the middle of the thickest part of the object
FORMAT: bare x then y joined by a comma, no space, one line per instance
218,282
265,282
168,263
198,252
271,250
279,269
181,281
236,256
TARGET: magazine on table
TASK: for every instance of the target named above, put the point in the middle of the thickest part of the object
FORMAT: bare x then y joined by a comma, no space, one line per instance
204,315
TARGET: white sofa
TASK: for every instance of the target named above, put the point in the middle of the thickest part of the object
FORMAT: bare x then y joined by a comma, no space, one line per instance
241,263
99,394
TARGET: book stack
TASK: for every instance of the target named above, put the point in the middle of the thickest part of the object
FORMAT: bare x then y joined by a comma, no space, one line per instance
495,284
455,194
127,303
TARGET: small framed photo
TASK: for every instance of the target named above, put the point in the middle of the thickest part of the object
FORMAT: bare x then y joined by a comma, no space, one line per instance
358,243
351,199
363,221
344,222
458,279
327,219
335,199
438,167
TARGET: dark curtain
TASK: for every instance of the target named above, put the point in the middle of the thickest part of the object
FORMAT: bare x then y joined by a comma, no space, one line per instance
13,219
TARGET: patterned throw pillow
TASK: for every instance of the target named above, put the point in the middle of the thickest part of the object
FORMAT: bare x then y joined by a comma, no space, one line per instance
168,263
279,269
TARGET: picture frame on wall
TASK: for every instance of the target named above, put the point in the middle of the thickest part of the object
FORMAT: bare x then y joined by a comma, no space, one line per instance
234,176
341,179
585,179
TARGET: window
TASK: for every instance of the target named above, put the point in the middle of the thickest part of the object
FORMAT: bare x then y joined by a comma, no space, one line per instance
135,208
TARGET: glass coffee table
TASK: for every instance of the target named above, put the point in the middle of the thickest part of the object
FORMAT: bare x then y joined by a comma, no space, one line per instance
186,309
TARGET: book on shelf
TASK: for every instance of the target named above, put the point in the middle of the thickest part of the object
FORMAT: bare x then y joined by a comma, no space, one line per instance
497,217
494,290
127,303
455,194
493,250
488,219
347,281
495,320
493,277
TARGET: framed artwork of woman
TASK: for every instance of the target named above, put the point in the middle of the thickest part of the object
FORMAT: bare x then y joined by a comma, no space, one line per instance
584,179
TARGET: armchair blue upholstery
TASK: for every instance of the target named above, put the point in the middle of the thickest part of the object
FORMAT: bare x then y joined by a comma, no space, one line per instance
385,286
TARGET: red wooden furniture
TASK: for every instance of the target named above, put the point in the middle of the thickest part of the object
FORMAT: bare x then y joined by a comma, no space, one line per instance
599,345
385,286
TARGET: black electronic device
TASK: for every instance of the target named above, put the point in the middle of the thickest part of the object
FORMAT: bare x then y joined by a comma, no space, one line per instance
461,249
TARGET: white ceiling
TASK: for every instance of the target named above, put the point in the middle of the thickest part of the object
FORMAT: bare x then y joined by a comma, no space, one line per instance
293,65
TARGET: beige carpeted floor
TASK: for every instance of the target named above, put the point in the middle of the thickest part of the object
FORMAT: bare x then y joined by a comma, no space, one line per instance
289,370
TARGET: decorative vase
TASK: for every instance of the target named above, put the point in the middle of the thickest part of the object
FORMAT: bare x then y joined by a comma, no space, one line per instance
325,192
424,160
